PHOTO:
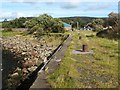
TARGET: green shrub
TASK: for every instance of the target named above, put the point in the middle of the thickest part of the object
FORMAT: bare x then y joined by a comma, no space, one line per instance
44,24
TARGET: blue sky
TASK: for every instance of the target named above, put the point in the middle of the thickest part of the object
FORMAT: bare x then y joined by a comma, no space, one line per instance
14,9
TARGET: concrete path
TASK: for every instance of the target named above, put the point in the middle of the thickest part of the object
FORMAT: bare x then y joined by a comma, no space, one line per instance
41,81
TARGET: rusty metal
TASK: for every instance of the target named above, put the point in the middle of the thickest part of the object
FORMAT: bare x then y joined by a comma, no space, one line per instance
80,37
84,47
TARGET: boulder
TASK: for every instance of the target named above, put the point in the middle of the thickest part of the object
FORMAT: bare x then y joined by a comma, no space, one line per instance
33,68
23,53
24,64
18,69
24,70
14,74
30,63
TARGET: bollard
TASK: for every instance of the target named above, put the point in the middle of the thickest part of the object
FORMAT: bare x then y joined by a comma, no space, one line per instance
80,37
85,48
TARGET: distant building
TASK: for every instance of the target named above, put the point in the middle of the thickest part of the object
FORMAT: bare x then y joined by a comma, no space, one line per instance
88,27
67,26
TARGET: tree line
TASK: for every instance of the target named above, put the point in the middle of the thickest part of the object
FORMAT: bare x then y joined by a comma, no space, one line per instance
17,23
40,25
45,24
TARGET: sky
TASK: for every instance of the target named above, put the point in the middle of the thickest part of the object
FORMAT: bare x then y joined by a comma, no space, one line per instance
11,9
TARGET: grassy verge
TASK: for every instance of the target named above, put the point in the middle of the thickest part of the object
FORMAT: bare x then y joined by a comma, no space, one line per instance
98,70
66,74
9,33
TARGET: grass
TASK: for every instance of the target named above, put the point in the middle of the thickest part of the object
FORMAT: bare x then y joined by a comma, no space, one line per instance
9,33
98,70
53,39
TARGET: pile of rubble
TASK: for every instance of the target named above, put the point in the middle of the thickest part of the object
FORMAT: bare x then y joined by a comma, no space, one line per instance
34,53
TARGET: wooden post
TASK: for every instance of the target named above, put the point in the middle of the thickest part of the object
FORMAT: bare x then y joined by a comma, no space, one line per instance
85,48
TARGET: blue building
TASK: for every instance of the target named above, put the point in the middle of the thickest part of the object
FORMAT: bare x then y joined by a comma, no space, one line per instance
67,26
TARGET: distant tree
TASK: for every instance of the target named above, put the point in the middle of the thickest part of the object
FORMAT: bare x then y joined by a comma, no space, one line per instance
5,20
113,21
97,24
58,26
6,24
44,24
17,23
30,23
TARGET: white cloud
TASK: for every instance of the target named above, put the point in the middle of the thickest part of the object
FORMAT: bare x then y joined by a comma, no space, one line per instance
97,7
13,15
70,5
57,11
73,1
6,15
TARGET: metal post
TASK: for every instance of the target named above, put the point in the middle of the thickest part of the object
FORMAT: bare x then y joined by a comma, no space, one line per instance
77,26
85,48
